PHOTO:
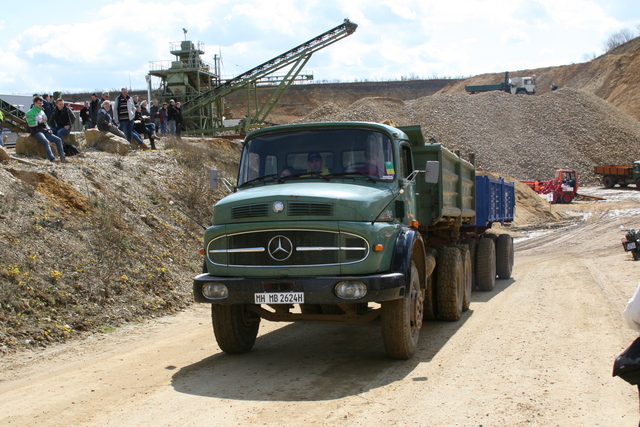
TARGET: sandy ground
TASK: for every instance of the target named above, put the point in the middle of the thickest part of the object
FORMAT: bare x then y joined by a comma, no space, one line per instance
537,351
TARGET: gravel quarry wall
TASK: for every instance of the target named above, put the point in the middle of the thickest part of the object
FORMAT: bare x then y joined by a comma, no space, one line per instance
526,137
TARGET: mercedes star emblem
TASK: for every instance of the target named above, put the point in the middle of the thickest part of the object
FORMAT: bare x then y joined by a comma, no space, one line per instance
280,248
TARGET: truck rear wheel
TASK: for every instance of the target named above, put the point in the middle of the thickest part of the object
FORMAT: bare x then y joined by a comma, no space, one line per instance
504,256
401,320
467,282
235,327
638,184
608,181
472,250
450,283
486,265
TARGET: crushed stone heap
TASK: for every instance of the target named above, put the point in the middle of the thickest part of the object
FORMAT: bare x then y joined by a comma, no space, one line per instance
526,137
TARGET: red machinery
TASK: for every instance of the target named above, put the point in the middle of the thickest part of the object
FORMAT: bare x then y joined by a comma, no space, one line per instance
561,189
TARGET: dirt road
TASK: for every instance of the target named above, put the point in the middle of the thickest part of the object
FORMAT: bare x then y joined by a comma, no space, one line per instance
537,351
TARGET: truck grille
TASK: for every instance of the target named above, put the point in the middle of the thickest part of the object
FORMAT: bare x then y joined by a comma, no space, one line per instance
287,248
300,208
250,211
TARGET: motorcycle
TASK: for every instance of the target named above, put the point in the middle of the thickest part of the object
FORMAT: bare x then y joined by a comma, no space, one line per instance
631,242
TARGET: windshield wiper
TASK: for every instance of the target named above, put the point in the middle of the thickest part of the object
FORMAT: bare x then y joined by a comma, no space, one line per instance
358,173
304,175
273,176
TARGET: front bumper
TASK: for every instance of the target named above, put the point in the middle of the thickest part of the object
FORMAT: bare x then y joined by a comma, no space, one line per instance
317,290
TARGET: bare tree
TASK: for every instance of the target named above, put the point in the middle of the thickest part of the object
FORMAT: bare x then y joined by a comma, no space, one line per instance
617,39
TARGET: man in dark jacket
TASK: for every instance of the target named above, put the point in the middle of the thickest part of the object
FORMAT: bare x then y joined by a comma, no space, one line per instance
172,115
85,115
47,105
94,107
61,119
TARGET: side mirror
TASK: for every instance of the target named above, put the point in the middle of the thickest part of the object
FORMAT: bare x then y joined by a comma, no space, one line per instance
213,179
432,172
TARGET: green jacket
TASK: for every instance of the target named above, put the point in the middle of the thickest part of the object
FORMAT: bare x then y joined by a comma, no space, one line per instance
34,115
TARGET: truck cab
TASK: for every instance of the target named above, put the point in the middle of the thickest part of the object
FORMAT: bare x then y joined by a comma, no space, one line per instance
523,85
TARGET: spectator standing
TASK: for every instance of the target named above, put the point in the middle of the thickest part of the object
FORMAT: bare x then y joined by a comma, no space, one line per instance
85,115
94,107
105,97
39,128
163,119
135,100
155,114
124,111
47,105
1,129
179,119
62,119
171,116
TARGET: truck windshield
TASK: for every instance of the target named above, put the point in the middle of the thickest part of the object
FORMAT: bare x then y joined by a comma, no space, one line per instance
319,154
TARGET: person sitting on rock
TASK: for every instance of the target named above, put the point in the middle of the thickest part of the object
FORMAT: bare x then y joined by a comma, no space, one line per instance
39,128
142,128
61,119
105,121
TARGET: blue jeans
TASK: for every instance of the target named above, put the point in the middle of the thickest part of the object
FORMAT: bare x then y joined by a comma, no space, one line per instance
44,138
163,127
61,132
135,135
172,127
126,126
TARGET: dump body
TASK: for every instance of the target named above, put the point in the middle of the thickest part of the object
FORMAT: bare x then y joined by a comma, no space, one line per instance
619,174
366,214
620,170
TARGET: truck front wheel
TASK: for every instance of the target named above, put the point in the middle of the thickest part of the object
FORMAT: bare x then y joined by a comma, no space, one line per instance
235,327
401,320
486,265
608,181
450,283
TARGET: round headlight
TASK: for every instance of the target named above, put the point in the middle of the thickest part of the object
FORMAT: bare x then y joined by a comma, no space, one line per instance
351,290
215,291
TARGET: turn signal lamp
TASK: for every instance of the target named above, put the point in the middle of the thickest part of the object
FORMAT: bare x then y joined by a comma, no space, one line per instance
378,248
414,224
201,251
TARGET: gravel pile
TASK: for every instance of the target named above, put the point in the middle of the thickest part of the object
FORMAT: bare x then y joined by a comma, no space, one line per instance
527,137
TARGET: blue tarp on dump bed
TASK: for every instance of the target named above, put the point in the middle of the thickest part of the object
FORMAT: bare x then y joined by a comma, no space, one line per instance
495,200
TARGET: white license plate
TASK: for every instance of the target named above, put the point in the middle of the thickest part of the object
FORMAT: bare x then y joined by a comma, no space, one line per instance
631,245
279,298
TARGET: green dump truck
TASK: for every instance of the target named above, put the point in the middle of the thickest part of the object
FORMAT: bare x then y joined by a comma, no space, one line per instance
513,85
347,222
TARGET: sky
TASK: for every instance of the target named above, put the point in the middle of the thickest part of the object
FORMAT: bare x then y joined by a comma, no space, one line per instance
74,46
